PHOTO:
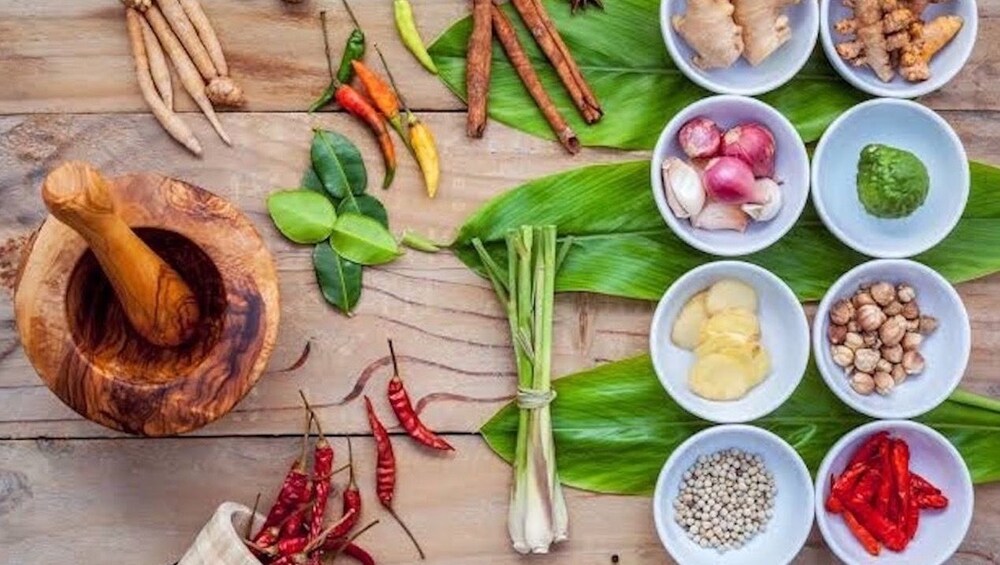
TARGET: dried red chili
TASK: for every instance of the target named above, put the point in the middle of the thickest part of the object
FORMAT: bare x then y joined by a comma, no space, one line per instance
385,470
408,418
293,492
878,524
870,448
900,462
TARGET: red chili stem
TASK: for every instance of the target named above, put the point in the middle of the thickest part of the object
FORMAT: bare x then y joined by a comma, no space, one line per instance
339,545
253,517
399,399
406,529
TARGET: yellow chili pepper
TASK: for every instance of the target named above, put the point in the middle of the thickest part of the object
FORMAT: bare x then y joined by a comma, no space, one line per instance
407,26
425,151
420,141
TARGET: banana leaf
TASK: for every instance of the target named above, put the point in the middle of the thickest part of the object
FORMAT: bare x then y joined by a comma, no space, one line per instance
622,247
621,52
615,426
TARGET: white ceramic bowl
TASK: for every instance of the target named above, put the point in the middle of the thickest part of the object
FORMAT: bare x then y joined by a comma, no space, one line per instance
939,532
944,65
946,351
791,170
904,125
785,533
784,333
742,77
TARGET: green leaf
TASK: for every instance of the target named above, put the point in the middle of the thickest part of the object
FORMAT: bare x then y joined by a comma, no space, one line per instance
614,427
363,240
620,51
338,164
338,278
366,205
302,216
310,181
622,247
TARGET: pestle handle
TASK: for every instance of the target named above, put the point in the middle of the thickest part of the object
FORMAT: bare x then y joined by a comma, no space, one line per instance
156,300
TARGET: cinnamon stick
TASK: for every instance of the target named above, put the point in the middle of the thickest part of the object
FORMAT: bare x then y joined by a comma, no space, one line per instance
477,67
519,60
537,19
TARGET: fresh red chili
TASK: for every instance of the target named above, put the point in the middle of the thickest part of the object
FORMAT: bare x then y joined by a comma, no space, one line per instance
900,461
870,448
352,101
385,470
921,485
843,485
878,524
408,417
863,536
935,501
884,501
869,484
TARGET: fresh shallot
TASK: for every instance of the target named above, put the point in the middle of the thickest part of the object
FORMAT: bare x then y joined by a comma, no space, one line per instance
700,138
729,180
753,144
684,190
767,209
720,216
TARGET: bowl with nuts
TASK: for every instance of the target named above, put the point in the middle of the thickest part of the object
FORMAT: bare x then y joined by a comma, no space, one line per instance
892,338
733,494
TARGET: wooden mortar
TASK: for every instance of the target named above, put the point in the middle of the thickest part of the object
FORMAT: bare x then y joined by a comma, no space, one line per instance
146,304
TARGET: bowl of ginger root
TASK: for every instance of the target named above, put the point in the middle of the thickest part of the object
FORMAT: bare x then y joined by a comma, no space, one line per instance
898,48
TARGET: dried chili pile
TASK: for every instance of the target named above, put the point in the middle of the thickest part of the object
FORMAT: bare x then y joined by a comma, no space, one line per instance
879,497
296,531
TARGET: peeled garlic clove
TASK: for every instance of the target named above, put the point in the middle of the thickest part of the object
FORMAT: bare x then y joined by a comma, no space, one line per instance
769,208
719,216
682,183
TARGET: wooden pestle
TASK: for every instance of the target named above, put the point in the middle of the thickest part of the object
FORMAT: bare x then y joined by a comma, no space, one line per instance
156,300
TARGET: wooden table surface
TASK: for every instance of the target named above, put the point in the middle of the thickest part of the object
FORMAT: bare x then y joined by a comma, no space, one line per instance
74,492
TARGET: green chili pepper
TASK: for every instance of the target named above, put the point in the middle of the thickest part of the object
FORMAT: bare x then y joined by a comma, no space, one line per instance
408,32
354,49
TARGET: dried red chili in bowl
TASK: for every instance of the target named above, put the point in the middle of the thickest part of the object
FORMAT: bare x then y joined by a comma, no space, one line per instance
897,490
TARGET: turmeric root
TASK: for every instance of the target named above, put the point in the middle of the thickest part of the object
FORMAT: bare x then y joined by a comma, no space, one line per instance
167,118
926,39
765,27
708,28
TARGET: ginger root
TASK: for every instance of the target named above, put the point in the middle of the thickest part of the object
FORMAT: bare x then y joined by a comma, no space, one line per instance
708,28
765,27
926,40
870,46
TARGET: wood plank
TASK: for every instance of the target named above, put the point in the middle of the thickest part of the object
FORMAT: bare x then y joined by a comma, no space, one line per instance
444,319
61,56
143,501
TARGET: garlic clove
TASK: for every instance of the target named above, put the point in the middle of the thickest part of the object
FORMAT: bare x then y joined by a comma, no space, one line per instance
684,190
768,209
719,216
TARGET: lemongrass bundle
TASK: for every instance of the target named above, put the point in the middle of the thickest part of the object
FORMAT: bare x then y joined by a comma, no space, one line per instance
538,516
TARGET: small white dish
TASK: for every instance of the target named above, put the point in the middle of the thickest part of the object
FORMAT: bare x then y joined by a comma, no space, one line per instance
791,171
939,532
742,77
946,351
905,125
784,333
786,532
944,65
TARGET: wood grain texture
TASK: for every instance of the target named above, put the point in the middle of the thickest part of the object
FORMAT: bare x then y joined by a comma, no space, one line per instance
450,332
72,317
275,52
143,501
